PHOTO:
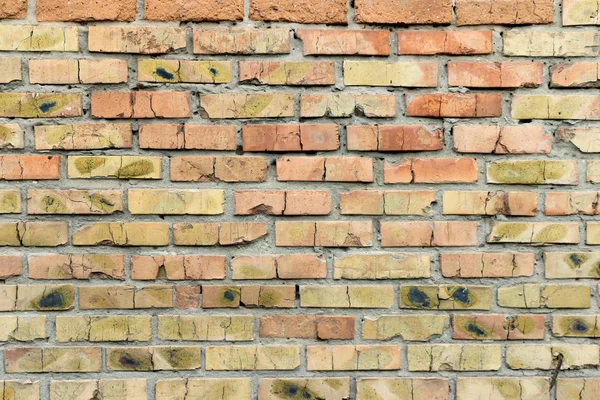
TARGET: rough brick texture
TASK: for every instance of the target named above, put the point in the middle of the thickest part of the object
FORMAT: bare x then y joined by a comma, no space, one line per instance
299,199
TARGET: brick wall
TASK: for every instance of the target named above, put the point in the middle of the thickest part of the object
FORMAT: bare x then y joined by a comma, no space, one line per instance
299,199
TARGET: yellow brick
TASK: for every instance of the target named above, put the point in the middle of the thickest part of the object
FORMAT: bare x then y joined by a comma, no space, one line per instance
577,388
419,327
123,234
580,12
83,136
575,326
135,39
108,389
191,71
196,234
74,201
533,172
550,44
528,356
40,105
353,358
243,105
593,171
454,357
33,234
22,329
103,71
382,266
121,167
341,296
503,388
38,38
11,68
251,358
592,233
572,265
20,390
304,388
548,296
204,388
204,328
10,201
110,297
556,107
56,72
381,73
103,328
45,297
171,201
158,358
534,232
402,388
446,297
72,359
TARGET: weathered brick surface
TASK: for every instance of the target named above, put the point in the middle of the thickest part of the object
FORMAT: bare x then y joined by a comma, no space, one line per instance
299,199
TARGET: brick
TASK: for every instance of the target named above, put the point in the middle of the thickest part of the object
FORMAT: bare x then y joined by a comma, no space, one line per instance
22,329
575,326
29,167
173,136
192,71
21,389
501,139
548,296
444,42
584,388
252,358
443,105
498,327
34,233
454,357
13,10
402,388
592,233
389,202
344,42
323,327
122,234
406,327
134,389
38,38
593,171
423,234
572,203
585,107
169,201
328,169
381,266
158,358
61,72
83,136
394,138
403,12
10,201
495,74
11,136
324,233
74,201
85,10
140,105
268,296
319,388
241,41
524,388
575,356
11,68
10,266
244,105
301,266
282,202
504,12
103,328
203,328
40,105
446,297
584,139
490,203
115,167
290,137
551,44
136,40
533,232
186,10
187,297
304,12
39,297
533,172
340,296
219,296
580,12
53,359
210,233
353,358
125,297
287,73
575,75
202,388
178,267
346,105
487,265
76,266
562,265
381,73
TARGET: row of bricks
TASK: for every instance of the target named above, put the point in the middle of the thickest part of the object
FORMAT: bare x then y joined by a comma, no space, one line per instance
407,327
297,169
558,265
330,388
295,202
426,297
467,12
483,139
141,105
159,40
293,233
421,357
307,73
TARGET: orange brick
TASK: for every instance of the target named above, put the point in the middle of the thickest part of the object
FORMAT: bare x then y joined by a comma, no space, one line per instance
495,74
504,12
140,104
487,265
241,41
454,105
280,202
10,266
29,167
193,10
444,42
77,266
394,138
13,9
329,169
323,327
268,296
431,170
578,74
403,12
501,139
188,136
178,267
85,10
344,42
290,137
303,11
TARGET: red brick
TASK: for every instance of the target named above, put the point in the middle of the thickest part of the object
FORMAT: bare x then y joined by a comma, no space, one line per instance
444,42
330,169
180,136
85,10
578,74
495,74
10,266
141,104
193,10
403,12
501,139
29,167
431,170
454,105
344,42
301,11
290,137
228,169
394,138
187,297
13,9
504,12
323,327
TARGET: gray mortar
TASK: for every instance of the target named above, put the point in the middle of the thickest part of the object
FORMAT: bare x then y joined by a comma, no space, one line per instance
266,245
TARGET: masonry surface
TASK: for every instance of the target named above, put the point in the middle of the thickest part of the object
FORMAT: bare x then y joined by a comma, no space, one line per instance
299,199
